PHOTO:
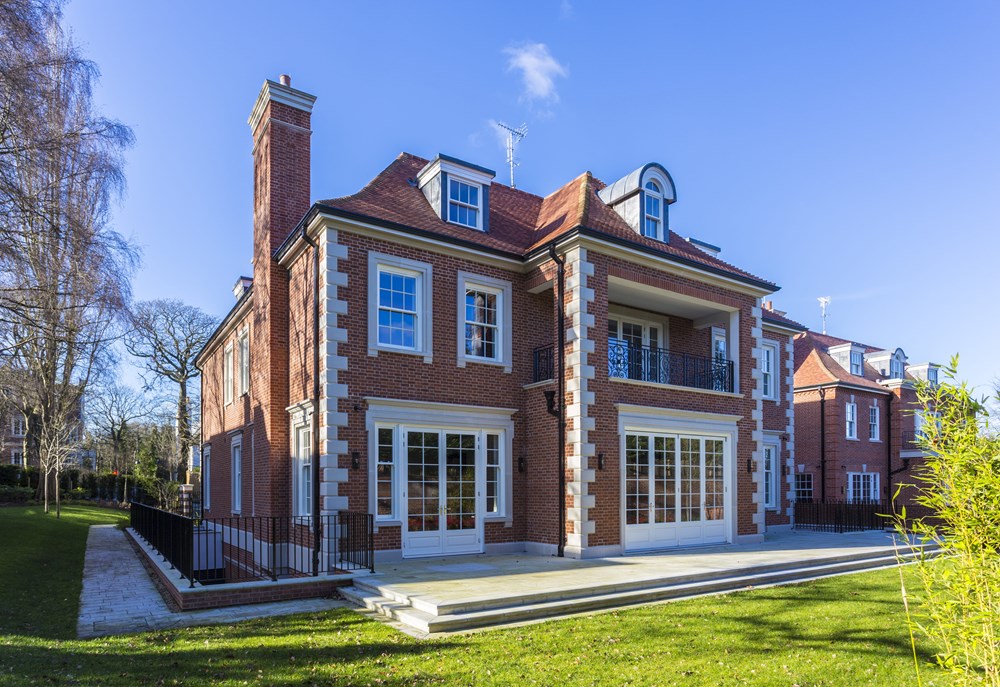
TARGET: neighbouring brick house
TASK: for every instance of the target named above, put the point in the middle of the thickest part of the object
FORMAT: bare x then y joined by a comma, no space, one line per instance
857,418
448,304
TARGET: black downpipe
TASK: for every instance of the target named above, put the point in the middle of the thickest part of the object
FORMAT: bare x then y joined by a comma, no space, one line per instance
560,395
317,524
822,445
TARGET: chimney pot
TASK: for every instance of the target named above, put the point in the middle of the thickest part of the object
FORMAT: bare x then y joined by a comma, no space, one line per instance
285,80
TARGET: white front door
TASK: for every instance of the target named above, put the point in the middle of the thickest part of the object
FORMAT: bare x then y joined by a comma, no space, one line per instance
442,493
674,490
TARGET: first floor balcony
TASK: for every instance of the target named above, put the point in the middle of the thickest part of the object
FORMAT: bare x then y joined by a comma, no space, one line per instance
630,360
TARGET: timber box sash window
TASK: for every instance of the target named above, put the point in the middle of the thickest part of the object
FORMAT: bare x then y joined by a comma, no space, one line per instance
857,363
399,306
851,420
804,487
302,466
244,342
206,477
874,431
464,207
484,320
768,357
237,473
227,375
770,476
653,215
17,425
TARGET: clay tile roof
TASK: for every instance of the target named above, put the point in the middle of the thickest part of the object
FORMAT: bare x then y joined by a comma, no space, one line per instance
519,222
813,365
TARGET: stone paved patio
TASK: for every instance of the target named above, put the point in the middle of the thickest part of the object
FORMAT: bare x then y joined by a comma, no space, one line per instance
118,595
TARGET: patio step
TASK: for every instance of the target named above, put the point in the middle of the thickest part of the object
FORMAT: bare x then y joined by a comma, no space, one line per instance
423,617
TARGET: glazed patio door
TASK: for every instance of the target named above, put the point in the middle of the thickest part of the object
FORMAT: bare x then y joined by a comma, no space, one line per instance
442,493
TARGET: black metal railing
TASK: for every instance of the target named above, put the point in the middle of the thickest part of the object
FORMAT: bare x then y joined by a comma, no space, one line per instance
652,364
240,549
542,367
842,516
912,440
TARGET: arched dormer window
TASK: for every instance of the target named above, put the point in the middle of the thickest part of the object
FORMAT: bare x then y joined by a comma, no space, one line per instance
652,225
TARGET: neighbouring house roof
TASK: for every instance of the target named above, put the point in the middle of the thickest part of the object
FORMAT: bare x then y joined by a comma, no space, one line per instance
520,223
815,367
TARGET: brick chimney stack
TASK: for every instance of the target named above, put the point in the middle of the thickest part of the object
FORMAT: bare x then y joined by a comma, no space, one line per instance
280,126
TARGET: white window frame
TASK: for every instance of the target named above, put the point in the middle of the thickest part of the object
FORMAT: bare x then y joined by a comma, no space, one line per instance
394,499
768,378
449,201
874,423
236,473
206,477
646,217
857,362
771,470
18,427
851,420
17,457
872,478
423,333
406,416
896,367
801,476
502,289
302,475
244,345
227,374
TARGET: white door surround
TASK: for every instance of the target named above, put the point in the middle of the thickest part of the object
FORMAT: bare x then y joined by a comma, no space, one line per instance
694,442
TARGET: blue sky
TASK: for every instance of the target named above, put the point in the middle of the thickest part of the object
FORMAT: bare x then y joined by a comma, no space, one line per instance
840,149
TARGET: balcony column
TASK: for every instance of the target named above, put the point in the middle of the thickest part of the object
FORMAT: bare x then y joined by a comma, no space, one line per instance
757,417
578,421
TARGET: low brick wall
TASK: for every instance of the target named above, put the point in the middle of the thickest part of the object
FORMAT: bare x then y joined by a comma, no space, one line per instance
189,598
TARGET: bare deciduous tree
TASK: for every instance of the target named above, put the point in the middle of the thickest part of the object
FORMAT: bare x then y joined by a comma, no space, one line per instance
64,273
167,335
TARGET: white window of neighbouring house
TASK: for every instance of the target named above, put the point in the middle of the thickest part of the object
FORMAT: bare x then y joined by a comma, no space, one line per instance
464,206
851,415
227,375
804,487
857,363
206,477
385,483
399,306
768,379
653,216
484,320
244,363
862,487
302,477
874,429
17,427
237,474
770,476
16,458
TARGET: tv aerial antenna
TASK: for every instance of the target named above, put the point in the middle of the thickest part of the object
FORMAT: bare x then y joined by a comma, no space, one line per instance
514,137
823,302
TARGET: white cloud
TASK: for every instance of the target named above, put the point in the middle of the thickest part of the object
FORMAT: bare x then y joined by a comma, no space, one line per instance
539,71
566,9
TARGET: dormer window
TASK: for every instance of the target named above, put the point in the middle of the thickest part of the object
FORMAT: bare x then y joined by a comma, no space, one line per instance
642,199
463,203
458,191
895,368
857,362
654,211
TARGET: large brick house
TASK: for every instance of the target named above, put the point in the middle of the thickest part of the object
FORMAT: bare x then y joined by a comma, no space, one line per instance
458,323
857,418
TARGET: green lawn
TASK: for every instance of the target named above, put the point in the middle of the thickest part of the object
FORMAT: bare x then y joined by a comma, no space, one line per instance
845,631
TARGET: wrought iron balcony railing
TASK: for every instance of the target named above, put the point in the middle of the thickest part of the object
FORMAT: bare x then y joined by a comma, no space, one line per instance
542,367
652,364
912,440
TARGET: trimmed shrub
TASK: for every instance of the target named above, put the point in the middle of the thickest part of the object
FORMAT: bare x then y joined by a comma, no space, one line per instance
9,494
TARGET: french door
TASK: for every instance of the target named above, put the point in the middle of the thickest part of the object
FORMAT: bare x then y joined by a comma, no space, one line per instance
442,489
674,490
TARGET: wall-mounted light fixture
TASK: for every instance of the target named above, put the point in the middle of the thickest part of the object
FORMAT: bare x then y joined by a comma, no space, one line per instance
600,461
521,463
784,471
749,466
355,460
550,402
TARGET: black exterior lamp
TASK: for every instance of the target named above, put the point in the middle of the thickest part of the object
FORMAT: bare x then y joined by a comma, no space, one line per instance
355,460
550,402
521,463
600,461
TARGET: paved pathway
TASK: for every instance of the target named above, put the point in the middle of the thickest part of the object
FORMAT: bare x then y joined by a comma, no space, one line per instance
118,595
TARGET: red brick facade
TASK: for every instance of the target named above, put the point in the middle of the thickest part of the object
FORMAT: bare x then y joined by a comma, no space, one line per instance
691,294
